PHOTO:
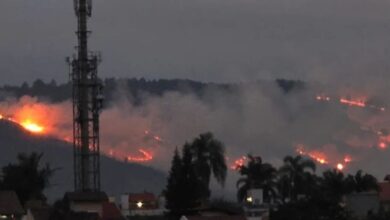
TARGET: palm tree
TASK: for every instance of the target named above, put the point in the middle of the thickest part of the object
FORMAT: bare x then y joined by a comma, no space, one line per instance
208,157
334,185
257,175
295,175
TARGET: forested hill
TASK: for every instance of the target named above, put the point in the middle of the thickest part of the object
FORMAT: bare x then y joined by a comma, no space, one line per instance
135,87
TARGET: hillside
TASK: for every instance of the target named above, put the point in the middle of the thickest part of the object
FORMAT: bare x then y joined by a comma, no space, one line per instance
117,177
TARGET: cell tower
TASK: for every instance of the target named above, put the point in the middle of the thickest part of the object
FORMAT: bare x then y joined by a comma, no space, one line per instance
87,103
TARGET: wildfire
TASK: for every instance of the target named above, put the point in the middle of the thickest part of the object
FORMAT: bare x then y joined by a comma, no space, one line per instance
146,156
357,103
340,166
382,145
322,158
32,127
323,98
238,163
314,155
347,159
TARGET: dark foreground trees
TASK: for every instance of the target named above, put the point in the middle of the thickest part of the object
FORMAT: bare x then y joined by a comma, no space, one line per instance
298,193
256,174
26,177
190,174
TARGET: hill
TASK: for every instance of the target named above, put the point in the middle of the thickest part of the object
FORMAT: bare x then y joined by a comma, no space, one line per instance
117,177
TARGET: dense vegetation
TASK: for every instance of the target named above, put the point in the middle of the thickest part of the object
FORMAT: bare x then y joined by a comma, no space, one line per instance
293,191
136,88
26,177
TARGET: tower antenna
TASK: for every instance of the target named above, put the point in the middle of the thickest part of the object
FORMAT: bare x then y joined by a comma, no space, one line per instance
87,103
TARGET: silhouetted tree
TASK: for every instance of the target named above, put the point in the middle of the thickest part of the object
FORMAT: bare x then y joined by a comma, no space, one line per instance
26,177
208,157
256,175
295,175
174,190
334,185
183,188
362,183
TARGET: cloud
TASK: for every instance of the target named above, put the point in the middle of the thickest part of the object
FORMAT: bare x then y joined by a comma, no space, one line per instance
332,41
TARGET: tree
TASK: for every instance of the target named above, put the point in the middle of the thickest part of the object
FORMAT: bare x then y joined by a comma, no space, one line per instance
183,188
207,157
26,177
362,183
257,175
174,190
295,175
334,186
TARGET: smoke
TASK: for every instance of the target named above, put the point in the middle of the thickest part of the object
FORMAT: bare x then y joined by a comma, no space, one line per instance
251,118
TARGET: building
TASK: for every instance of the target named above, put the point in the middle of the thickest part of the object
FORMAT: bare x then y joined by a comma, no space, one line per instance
254,207
86,202
384,195
111,212
10,206
37,210
142,204
363,204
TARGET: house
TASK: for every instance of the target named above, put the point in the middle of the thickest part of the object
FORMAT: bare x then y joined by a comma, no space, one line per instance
363,203
10,206
86,202
37,210
384,195
142,204
254,206
111,212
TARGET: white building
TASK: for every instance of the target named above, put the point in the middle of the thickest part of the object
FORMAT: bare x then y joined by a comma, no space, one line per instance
142,204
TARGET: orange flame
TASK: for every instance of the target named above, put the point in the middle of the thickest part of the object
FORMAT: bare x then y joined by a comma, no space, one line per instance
358,103
146,156
32,127
314,155
238,163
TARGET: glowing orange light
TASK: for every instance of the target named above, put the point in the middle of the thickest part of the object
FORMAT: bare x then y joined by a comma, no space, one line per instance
323,98
382,145
157,138
340,166
32,127
347,159
1,117
357,103
314,155
240,162
146,156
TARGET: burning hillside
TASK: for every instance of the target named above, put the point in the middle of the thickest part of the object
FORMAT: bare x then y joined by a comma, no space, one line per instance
256,120
54,120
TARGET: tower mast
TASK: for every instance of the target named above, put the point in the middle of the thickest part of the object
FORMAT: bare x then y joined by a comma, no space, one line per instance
87,102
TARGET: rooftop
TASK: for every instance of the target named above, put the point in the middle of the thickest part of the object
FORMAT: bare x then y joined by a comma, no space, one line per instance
10,204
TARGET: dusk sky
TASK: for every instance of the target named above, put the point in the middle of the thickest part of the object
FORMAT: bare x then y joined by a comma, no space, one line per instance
210,40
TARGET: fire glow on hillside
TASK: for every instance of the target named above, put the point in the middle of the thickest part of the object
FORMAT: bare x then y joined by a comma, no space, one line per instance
353,102
323,159
28,124
45,120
